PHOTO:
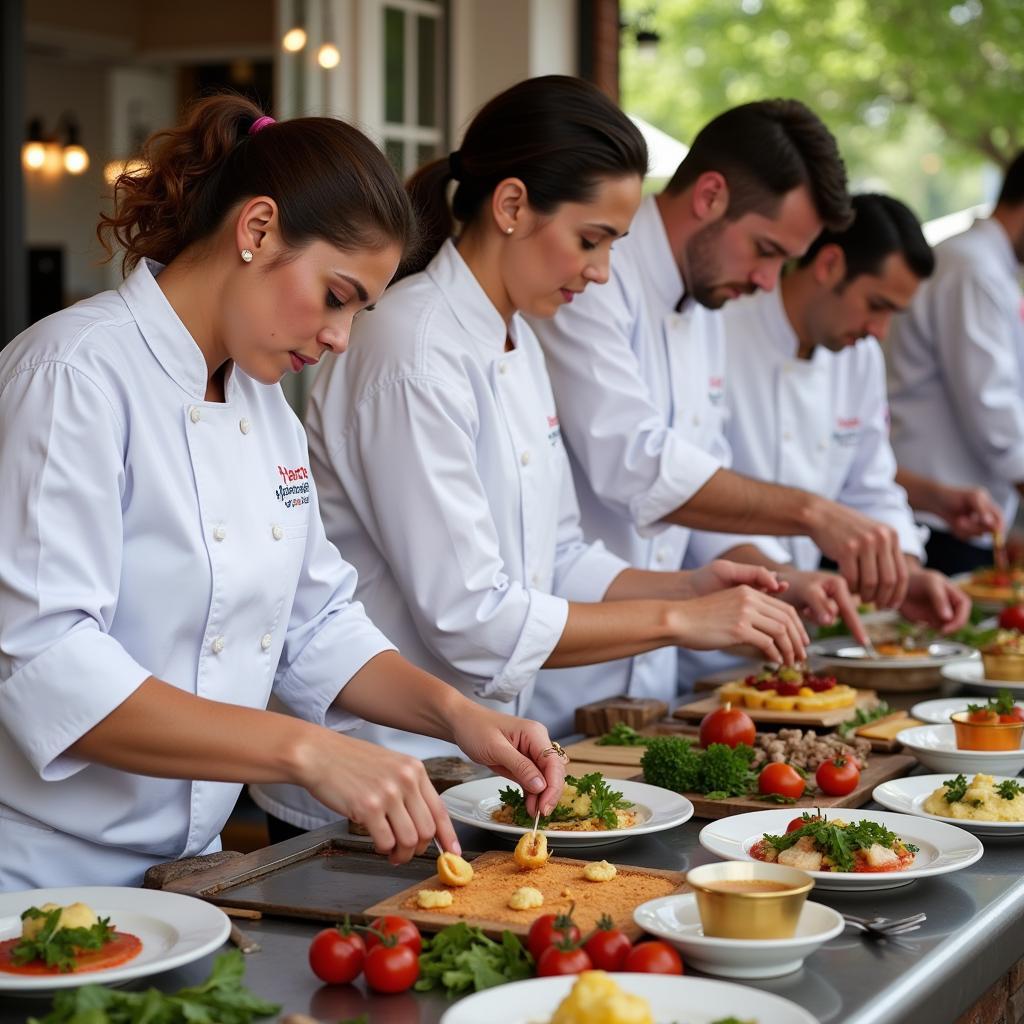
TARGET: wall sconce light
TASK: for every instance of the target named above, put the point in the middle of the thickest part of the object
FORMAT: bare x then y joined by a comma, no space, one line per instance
646,35
295,38
33,150
328,56
76,159
42,152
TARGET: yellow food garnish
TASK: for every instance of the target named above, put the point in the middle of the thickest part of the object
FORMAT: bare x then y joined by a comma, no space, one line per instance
74,915
599,871
433,899
531,851
453,870
526,898
596,999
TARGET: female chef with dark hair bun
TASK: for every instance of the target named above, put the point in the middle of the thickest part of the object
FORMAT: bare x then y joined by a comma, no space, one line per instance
166,568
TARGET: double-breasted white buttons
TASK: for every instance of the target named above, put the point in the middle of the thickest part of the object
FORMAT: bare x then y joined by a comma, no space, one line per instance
265,641
502,367
194,414
219,533
277,531
525,458
217,644
244,426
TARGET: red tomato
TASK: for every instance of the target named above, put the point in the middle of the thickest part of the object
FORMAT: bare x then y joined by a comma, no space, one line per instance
608,947
837,777
405,932
800,822
983,715
391,968
727,725
653,958
549,929
781,779
1016,715
558,960
336,955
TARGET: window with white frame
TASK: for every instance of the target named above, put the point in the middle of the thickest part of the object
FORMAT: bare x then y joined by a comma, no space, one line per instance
413,36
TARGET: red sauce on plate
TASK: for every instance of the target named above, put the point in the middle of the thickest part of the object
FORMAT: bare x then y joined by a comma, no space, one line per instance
122,948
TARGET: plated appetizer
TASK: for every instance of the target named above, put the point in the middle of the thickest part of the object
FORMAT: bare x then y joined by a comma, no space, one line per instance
587,804
981,799
815,843
789,689
992,584
1003,655
57,940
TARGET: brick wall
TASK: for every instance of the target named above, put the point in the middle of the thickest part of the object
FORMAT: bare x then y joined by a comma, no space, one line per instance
1003,1003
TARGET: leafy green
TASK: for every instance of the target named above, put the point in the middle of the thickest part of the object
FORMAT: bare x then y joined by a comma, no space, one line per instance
955,788
57,948
718,771
462,959
221,999
622,735
863,716
603,802
1009,788
734,1020
836,842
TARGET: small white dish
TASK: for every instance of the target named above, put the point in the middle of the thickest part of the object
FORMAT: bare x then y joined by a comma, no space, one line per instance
941,848
937,712
972,675
843,650
907,796
174,930
935,747
473,803
677,920
671,998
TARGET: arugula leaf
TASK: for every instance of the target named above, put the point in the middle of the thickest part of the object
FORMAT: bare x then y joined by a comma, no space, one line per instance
955,788
462,959
862,717
603,802
221,999
58,948
622,735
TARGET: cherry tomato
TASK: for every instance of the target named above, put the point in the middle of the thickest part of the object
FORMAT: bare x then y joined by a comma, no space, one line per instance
1016,715
549,929
653,958
608,947
727,725
837,777
800,822
985,715
336,955
391,968
1012,617
781,779
563,958
405,932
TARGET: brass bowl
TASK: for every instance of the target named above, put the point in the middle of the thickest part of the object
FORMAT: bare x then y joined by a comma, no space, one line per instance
749,915
986,735
1007,667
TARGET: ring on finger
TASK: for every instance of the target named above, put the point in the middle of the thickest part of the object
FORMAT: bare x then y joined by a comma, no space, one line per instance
556,749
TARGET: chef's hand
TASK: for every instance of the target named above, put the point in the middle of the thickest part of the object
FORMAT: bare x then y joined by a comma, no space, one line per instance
516,749
722,573
969,511
934,599
386,792
741,615
867,552
823,597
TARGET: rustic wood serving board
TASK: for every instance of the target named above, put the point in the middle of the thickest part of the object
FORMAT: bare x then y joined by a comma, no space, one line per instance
815,719
497,876
592,752
597,718
880,768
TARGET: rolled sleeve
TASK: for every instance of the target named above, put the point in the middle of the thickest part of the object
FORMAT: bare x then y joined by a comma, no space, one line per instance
706,545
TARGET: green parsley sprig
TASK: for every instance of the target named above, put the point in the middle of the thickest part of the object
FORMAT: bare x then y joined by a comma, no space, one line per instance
622,735
462,959
57,948
604,801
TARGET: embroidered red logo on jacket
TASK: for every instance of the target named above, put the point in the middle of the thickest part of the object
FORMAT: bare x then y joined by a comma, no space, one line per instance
295,487
852,423
554,430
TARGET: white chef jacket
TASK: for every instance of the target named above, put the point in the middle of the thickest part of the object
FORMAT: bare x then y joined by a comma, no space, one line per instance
150,533
820,424
440,467
640,393
956,370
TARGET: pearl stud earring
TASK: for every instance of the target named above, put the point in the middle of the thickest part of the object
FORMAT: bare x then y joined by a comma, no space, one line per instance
246,255
509,230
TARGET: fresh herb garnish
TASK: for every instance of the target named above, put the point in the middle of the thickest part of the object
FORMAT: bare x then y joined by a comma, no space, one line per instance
837,842
622,735
57,948
604,801
955,788
221,998
462,959
863,716
1009,788
717,772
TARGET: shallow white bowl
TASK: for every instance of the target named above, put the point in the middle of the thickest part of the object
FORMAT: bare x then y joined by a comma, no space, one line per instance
935,747
972,675
676,920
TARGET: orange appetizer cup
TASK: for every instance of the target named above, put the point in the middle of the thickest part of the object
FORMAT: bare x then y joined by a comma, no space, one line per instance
993,735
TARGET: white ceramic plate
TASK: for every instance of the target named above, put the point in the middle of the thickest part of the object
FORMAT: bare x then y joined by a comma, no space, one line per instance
472,803
935,747
908,795
972,675
174,930
843,650
943,848
937,712
672,998
677,920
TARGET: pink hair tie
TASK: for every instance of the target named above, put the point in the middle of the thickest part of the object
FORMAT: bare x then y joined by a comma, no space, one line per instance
260,123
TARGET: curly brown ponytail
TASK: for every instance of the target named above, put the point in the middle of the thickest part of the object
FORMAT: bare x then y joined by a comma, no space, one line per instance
329,181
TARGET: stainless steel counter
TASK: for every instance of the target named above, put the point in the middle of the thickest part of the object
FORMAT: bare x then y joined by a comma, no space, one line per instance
974,933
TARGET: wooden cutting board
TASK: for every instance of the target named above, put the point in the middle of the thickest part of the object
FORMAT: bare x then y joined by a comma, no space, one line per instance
592,752
880,768
597,718
823,719
483,903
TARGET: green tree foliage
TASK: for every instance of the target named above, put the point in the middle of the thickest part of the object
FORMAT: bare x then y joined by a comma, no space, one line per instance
873,69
